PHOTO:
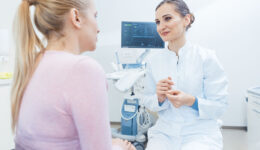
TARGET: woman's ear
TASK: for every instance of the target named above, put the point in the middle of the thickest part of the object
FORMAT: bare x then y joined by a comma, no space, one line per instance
75,18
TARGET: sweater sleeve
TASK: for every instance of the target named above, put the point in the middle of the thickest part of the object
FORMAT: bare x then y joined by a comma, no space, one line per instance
86,93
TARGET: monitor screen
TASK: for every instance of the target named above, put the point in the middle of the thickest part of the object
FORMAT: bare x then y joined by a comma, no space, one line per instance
140,35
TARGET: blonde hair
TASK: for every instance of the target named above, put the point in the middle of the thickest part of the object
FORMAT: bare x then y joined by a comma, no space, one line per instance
49,19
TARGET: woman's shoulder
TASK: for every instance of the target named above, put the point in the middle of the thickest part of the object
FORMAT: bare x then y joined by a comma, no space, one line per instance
203,52
84,62
207,56
72,62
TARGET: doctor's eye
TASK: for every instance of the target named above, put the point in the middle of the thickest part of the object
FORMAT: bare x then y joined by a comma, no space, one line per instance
167,18
157,22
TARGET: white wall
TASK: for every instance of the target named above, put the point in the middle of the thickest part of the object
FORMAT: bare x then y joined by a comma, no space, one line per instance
7,11
6,137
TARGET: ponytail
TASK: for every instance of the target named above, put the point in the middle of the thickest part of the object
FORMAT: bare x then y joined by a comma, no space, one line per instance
27,43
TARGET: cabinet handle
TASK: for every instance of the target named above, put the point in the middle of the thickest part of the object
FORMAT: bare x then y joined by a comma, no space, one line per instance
256,111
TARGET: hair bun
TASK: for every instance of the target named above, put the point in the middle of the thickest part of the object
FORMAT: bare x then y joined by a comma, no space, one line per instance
192,18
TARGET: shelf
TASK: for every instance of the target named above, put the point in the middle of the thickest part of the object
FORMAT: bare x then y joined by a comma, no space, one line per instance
5,82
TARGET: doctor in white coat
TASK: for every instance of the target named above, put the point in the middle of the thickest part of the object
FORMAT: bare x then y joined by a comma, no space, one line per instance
185,84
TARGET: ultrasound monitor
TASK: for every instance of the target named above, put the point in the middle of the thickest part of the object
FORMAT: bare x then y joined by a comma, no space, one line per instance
140,35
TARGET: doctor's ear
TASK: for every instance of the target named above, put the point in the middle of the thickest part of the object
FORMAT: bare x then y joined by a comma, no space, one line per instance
187,20
75,18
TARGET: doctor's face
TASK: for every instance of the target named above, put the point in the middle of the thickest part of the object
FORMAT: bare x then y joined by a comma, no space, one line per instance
170,24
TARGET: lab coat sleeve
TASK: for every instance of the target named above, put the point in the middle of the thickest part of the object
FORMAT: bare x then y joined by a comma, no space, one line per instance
215,84
88,105
150,99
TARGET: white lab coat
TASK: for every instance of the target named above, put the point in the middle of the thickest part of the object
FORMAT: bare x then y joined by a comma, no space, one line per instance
198,72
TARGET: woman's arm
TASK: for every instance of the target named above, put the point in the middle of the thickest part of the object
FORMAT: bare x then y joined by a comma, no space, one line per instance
215,83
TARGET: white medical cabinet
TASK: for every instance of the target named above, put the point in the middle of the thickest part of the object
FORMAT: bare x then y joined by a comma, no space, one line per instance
253,118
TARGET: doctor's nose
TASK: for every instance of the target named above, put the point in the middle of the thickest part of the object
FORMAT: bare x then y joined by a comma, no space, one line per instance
161,27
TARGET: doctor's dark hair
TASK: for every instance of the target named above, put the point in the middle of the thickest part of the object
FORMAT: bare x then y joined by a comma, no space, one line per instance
181,8
49,18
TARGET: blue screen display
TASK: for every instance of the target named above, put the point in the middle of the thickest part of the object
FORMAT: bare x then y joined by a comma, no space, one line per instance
140,35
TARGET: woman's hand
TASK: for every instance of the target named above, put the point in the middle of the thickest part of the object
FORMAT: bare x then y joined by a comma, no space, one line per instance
162,88
179,98
124,144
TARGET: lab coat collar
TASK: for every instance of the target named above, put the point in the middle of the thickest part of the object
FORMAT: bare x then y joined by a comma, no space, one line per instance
182,49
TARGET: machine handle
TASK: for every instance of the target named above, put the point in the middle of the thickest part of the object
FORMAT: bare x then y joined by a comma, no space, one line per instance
255,102
128,118
256,111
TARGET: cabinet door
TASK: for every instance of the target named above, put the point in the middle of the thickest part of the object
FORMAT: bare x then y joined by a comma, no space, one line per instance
253,123
6,137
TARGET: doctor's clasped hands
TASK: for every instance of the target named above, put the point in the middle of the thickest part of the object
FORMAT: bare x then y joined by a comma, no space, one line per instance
177,98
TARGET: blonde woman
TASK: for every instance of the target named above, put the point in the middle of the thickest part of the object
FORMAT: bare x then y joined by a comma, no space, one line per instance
59,99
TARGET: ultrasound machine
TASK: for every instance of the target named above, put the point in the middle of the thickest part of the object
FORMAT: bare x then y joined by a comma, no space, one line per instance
137,40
